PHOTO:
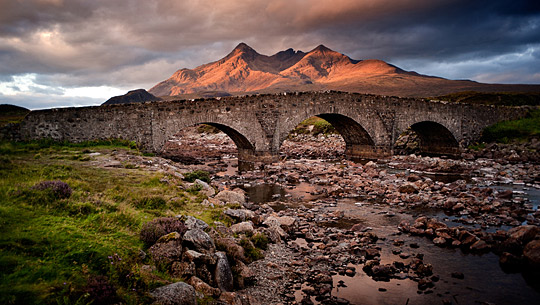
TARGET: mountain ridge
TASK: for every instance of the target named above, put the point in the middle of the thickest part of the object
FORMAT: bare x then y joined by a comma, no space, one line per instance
244,70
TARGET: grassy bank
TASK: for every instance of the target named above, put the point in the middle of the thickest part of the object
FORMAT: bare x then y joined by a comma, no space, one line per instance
12,114
521,130
496,98
69,228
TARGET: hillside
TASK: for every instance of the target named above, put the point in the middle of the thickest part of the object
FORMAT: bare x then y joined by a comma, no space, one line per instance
133,96
11,114
244,70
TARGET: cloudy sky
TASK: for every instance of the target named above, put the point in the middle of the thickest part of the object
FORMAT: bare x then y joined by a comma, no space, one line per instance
56,53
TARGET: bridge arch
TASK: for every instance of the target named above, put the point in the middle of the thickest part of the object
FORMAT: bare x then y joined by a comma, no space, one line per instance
359,143
435,138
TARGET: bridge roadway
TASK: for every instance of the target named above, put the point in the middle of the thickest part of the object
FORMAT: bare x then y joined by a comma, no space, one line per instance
258,124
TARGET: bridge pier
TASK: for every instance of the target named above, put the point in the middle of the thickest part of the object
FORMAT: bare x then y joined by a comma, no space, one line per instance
360,151
250,159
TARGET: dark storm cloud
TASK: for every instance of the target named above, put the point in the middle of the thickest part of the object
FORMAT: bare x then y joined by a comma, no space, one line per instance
130,43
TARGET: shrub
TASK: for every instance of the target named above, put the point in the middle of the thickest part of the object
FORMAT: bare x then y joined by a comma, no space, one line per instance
154,229
198,174
260,241
59,189
250,251
101,291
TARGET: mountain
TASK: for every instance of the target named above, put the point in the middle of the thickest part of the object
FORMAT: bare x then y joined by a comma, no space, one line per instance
133,96
244,70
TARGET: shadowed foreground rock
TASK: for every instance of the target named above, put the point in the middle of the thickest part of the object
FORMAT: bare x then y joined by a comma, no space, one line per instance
175,294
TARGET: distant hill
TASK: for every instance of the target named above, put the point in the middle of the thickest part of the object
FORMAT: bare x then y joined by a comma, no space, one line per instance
246,71
495,98
11,114
134,96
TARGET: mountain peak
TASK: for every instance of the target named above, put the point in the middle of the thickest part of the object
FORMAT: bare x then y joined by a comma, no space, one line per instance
321,48
243,47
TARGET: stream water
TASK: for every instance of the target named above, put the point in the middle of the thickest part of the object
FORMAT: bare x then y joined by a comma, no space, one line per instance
484,282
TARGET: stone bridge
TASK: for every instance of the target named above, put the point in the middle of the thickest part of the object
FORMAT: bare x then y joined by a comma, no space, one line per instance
258,124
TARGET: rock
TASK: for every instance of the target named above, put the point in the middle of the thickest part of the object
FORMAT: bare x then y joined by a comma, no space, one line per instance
199,258
531,252
458,275
231,298
203,287
178,293
199,240
524,234
231,197
194,223
183,269
424,269
287,223
510,262
439,241
244,275
408,188
245,227
239,214
206,189
234,250
424,284
506,194
223,274
480,246
165,252
382,272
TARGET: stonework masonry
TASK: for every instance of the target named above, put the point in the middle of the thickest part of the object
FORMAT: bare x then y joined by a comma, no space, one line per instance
258,124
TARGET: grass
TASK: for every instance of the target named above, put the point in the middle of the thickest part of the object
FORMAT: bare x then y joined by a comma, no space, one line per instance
11,114
521,130
64,249
314,126
498,98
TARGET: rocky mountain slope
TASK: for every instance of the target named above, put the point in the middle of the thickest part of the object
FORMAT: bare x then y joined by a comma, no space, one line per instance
244,70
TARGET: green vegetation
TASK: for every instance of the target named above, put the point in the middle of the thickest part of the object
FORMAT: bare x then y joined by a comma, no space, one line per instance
11,114
314,126
499,98
521,130
205,128
70,229
198,174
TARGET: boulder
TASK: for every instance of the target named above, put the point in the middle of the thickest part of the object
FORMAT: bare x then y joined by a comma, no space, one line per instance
165,251
206,189
183,269
194,223
287,223
199,240
408,188
231,197
239,214
243,227
524,234
532,254
223,274
203,287
178,293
